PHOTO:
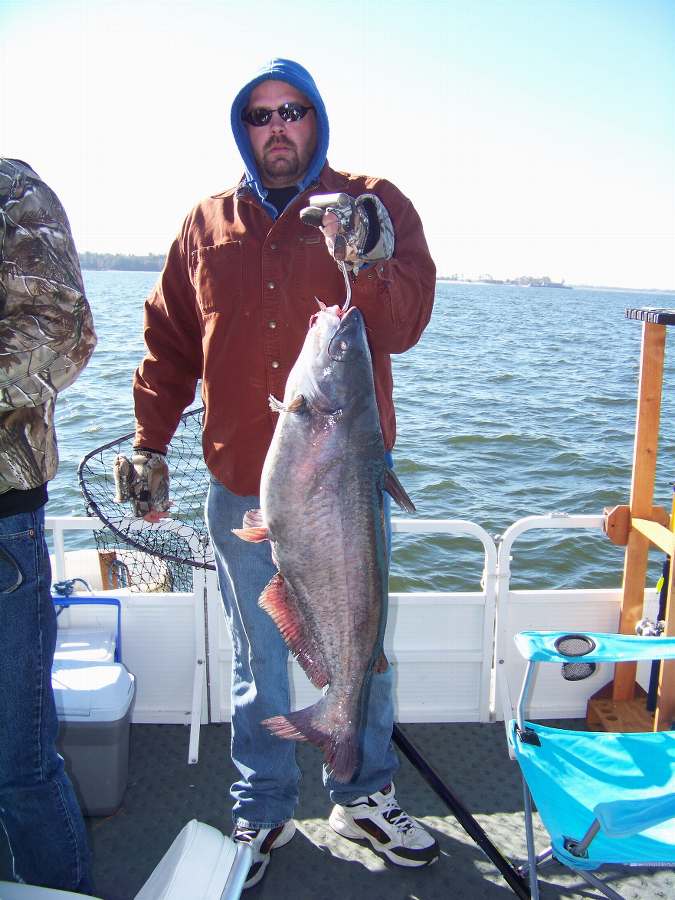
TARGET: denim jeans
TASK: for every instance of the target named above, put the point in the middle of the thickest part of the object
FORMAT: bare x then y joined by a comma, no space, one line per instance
38,808
267,790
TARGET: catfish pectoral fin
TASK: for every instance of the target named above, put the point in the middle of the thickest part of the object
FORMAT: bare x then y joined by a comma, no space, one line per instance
381,664
252,535
253,518
253,529
295,405
394,487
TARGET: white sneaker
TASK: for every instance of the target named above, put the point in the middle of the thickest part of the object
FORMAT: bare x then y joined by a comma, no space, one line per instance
262,841
379,820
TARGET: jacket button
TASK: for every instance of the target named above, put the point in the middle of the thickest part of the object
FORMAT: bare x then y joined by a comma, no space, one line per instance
272,324
271,285
273,246
275,364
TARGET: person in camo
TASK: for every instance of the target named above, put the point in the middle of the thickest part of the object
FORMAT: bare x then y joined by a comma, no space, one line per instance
232,308
46,339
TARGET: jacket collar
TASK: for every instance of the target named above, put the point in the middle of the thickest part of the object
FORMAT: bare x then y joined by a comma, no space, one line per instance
328,182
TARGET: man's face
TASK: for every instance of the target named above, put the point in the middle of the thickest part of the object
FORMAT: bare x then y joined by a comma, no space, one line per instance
282,150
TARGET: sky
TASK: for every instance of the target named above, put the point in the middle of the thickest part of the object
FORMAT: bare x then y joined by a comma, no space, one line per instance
534,137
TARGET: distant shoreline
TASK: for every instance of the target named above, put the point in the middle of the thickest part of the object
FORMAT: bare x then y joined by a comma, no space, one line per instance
588,287
121,262
154,262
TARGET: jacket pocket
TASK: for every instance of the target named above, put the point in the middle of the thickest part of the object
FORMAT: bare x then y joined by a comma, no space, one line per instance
218,277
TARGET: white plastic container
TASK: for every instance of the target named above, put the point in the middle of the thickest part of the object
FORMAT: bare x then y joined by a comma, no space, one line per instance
93,703
84,645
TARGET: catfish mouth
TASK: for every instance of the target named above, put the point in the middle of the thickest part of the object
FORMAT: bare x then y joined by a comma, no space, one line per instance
346,334
336,310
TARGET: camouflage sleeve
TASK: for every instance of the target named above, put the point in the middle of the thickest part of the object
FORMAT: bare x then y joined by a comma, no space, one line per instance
46,327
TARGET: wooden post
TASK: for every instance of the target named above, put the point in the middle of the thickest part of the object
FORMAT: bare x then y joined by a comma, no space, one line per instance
641,494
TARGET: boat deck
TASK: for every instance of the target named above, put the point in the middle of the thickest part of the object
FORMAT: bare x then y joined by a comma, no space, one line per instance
164,793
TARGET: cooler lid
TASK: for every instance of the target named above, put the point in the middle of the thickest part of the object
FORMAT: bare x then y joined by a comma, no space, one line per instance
88,645
86,692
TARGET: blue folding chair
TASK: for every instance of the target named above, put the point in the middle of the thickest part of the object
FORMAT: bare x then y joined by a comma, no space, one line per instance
604,798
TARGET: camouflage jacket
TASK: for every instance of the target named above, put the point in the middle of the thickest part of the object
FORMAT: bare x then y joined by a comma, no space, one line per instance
46,328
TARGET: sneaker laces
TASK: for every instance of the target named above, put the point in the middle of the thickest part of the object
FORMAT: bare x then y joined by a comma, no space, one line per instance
396,817
245,834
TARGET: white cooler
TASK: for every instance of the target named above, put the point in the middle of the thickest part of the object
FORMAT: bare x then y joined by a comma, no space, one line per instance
93,703
201,864
84,645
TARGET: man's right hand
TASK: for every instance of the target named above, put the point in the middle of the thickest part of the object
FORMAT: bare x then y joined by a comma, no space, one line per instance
358,230
144,482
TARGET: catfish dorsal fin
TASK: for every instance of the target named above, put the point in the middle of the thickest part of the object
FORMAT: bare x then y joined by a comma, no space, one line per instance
394,487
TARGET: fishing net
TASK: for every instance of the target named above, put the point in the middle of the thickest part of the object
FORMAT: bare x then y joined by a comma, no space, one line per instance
144,556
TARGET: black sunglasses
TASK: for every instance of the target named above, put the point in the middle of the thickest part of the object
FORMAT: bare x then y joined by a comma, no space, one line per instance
289,112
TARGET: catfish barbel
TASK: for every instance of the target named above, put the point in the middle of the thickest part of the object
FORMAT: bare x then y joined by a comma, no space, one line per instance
321,496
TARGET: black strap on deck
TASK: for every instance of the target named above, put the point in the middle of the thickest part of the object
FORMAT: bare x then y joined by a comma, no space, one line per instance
515,881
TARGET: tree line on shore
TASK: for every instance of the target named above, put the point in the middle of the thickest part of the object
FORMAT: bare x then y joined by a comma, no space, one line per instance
122,262
522,280
154,262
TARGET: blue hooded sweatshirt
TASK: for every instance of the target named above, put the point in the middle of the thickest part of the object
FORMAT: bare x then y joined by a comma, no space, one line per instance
297,76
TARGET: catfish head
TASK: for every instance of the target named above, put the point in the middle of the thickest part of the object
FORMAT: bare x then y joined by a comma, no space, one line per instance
334,364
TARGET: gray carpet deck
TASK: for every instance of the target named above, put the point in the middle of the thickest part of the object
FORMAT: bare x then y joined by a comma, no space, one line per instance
164,793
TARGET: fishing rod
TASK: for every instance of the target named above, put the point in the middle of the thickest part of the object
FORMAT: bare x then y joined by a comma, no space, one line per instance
512,877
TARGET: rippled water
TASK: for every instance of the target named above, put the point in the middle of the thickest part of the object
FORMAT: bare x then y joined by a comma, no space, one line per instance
516,402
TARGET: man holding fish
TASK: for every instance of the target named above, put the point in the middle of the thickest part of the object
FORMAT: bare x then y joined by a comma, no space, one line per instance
232,308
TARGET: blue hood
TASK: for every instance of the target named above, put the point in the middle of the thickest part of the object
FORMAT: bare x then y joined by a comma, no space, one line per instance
292,73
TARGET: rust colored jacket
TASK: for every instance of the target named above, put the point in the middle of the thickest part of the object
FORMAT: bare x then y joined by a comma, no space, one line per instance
232,308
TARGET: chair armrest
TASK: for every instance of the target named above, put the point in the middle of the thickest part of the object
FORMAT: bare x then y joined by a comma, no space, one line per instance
541,646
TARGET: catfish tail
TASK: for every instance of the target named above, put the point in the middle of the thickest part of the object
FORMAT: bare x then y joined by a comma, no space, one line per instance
340,744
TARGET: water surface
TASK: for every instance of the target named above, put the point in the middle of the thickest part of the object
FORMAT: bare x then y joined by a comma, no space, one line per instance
516,402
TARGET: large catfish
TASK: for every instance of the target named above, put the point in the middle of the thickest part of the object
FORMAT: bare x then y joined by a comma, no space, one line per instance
322,509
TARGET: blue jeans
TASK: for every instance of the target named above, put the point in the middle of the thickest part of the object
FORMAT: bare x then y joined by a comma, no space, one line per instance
267,791
38,808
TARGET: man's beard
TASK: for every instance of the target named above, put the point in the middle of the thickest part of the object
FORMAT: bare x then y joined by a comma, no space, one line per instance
286,166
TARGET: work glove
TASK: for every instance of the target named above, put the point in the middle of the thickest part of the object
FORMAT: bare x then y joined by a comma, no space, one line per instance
365,232
144,481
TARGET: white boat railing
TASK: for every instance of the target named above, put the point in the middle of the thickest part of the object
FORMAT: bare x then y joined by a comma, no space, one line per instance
58,526
580,609
453,652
